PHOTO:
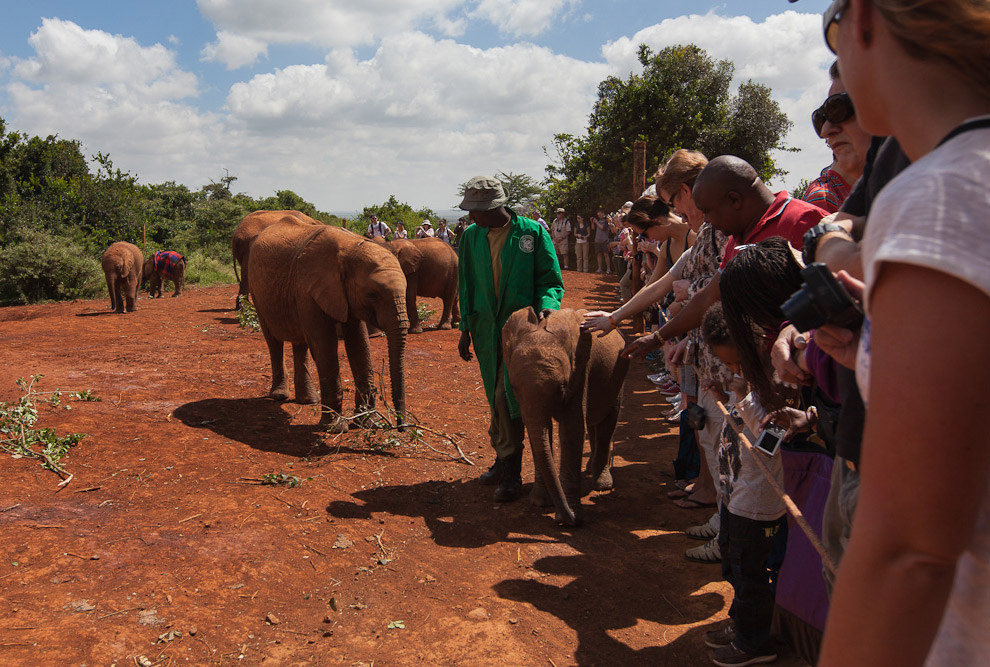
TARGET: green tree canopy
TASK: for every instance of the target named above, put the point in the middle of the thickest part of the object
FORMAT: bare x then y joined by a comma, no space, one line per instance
680,100
393,211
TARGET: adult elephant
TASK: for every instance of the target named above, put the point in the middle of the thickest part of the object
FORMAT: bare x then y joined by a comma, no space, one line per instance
430,267
306,280
161,266
245,234
559,372
122,265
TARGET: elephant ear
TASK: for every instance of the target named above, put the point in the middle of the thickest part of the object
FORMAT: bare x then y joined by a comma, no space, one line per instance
327,288
519,323
410,257
579,369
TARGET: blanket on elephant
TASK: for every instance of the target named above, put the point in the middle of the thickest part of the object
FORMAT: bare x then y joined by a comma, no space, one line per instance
166,261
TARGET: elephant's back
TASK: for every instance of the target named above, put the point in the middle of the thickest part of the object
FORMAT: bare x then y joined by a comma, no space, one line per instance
122,258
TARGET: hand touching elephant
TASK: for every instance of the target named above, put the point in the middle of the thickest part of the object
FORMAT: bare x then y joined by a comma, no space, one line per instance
559,372
122,266
305,280
430,267
245,234
164,265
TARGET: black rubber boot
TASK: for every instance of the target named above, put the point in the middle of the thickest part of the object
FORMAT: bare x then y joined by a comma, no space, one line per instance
494,474
510,486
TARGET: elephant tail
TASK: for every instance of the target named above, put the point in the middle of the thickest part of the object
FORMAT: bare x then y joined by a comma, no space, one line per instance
235,270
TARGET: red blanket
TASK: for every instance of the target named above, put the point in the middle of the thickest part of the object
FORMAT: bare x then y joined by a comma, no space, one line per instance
165,263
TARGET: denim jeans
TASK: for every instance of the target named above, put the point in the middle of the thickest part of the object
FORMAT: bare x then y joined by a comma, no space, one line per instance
745,546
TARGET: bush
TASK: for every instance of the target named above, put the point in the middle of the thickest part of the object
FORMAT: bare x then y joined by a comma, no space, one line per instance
204,267
38,266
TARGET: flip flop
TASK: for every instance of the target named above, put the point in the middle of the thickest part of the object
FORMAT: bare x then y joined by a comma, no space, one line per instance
677,493
689,504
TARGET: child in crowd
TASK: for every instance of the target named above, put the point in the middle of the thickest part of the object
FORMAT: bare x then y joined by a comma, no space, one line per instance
749,515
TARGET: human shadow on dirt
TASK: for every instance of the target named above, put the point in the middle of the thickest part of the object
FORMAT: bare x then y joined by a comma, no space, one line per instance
97,313
609,588
260,423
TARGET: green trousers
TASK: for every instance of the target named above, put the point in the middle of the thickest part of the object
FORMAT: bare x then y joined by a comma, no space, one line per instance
505,432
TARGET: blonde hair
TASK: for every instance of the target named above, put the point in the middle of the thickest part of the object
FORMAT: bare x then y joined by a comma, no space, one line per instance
952,31
682,167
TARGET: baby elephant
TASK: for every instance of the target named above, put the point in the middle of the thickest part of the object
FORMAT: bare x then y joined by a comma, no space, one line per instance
164,265
559,372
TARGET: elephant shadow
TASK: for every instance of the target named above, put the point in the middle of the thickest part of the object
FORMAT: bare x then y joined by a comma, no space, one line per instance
221,320
260,423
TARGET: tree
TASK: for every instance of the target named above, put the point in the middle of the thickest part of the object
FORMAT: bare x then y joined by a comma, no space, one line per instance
392,211
680,100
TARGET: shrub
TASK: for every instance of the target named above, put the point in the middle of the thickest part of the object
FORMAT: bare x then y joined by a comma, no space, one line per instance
204,267
38,266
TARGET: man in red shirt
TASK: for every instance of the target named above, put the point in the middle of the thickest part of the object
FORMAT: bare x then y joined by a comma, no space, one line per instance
737,203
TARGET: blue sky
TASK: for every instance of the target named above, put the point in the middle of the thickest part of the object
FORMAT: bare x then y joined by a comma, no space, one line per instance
348,101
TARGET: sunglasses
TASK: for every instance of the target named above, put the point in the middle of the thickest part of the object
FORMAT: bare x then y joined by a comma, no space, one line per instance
830,23
836,109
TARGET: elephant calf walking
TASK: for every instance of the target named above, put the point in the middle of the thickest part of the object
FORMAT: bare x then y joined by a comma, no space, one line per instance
164,265
122,267
559,372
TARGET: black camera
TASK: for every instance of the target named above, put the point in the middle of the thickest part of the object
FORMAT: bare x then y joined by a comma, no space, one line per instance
822,300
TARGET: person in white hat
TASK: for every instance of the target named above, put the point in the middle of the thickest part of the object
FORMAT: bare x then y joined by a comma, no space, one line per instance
425,230
506,262
560,230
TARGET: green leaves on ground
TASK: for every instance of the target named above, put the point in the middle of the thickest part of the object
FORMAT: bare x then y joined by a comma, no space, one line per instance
247,316
280,479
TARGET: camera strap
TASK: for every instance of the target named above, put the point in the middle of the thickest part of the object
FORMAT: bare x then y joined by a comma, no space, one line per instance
975,124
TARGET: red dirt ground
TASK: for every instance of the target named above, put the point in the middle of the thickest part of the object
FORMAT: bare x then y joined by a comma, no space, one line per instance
164,546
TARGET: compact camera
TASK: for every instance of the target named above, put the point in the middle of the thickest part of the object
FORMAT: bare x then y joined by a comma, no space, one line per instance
770,439
822,300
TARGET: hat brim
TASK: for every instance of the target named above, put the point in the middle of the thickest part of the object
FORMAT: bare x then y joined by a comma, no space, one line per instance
482,205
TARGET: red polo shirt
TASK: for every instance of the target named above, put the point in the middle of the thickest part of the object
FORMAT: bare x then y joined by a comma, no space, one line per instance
787,217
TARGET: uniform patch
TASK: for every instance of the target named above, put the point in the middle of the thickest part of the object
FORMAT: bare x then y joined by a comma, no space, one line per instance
527,243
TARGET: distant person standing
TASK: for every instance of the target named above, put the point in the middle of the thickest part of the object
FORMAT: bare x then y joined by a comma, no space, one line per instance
378,229
458,230
539,218
443,233
560,232
425,231
581,246
506,263
400,231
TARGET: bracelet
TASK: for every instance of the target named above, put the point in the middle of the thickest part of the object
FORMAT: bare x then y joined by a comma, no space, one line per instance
611,320
812,414
659,337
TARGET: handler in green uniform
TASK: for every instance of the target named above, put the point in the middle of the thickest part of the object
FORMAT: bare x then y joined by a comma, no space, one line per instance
505,262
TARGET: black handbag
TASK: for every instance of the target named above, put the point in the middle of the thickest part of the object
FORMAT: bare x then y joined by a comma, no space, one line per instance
696,417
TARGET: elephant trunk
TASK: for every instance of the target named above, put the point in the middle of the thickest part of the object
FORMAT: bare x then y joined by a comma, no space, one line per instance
395,332
538,426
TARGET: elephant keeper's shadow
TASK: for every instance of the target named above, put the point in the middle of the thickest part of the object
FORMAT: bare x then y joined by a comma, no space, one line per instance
260,423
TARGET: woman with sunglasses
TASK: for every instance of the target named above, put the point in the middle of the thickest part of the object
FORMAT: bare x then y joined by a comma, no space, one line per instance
835,122
914,585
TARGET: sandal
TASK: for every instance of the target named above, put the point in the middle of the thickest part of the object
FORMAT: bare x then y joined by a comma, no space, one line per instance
675,494
706,553
705,531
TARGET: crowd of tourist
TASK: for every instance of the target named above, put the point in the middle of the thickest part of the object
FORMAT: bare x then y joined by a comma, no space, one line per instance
816,326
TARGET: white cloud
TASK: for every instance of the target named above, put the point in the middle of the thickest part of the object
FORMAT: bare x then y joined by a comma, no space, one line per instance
325,24
234,51
785,52
522,17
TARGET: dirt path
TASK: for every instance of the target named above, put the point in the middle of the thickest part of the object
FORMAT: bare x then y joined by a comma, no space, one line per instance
384,554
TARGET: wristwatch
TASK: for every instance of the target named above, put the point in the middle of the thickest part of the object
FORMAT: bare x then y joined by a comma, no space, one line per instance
813,235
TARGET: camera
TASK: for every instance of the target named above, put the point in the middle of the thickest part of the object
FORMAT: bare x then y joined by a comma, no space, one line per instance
821,300
770,438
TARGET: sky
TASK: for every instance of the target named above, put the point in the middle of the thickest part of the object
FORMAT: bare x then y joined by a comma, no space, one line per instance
346,102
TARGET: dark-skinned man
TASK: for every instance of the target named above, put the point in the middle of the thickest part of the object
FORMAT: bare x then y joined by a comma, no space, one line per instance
506,262
737,203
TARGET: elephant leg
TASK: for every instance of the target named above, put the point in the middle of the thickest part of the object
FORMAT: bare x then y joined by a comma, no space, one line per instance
455,317
359,357
305,391
540,439
279,390
119,288
571,449
179,279
130,297
111,287
412,289
323,345
600,462
449,300
539,495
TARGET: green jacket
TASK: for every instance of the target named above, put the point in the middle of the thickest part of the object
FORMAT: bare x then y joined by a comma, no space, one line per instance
530,277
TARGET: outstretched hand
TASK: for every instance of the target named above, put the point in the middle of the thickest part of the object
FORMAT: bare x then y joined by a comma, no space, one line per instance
641,346
783,356
597,320
464,346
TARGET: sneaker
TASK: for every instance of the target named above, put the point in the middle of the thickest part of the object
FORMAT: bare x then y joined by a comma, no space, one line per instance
732,656
721,637
708,552
705,531
675,399
674,417
671,389
658,378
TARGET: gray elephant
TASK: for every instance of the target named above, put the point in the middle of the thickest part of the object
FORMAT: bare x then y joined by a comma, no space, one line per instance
430,266
161,266
306,280
559,372
122,265
245,234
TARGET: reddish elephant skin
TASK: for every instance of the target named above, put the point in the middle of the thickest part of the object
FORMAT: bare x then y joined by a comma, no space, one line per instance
157,278
559,372
122,264
430,267
305,281
245,234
